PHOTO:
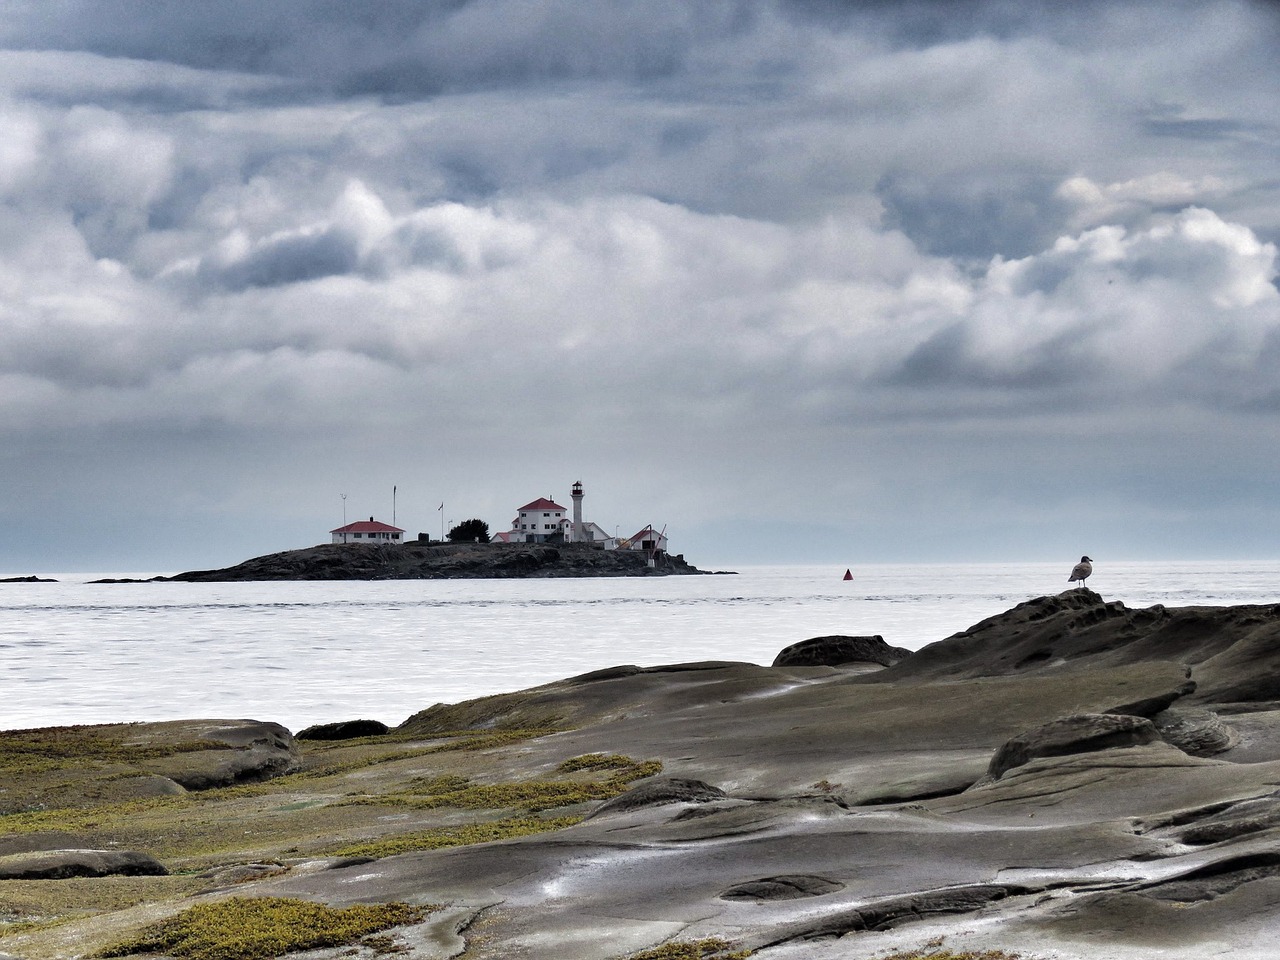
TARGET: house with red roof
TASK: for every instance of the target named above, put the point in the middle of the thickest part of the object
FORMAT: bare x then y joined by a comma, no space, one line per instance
536,521
544,519
366,531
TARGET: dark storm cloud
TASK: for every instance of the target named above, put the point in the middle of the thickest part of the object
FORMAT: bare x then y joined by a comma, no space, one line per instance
974,214
293,258
398,48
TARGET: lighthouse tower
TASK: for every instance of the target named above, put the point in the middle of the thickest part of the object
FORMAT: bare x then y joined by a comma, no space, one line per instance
577,512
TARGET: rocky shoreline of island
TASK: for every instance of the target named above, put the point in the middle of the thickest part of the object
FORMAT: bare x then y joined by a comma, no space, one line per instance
433,560
1071,778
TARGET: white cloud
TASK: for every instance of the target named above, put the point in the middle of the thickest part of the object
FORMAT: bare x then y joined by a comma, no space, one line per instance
1096,204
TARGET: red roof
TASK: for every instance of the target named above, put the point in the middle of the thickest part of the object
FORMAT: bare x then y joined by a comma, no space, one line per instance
542,503
368,526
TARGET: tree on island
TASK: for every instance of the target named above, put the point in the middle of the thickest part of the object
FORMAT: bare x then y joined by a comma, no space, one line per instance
470,531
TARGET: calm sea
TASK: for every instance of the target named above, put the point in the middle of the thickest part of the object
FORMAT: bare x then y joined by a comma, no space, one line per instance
304,653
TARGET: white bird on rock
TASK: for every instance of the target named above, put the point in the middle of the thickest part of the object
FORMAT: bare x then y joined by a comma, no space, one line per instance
1081,571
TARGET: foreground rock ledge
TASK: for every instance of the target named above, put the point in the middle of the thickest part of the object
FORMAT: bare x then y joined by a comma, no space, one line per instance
815,812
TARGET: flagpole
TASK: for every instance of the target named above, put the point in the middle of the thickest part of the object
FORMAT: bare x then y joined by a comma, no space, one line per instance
393,506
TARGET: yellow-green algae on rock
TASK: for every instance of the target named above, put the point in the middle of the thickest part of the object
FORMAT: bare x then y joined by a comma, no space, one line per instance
708,948
248,928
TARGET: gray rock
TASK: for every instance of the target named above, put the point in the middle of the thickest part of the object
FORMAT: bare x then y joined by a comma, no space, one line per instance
782,888
248,751
1216,879
661,790
1237,820
1233,651
63,864
1200,733
837,649
1079,734
890,912
344,730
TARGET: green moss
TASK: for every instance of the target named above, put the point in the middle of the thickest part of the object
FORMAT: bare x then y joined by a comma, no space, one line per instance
470,740
77,819
709,948
530,795
316,767
502,711
596,761
459,836
52,749
261,928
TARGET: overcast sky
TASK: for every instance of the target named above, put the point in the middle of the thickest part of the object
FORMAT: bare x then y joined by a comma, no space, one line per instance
802,280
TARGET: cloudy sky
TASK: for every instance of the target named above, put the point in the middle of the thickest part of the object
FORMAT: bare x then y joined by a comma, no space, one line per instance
836,281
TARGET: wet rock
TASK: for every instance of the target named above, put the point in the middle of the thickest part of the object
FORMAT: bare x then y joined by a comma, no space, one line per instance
63,864
837,649
1079,734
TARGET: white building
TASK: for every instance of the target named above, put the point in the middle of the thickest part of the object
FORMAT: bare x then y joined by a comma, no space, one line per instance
365,531
545,519
647,539
588,532
537,521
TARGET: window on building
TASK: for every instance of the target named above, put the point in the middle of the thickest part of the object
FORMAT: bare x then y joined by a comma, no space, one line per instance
357,535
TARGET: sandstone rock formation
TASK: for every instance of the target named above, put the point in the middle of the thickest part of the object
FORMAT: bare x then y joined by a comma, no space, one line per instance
1081,733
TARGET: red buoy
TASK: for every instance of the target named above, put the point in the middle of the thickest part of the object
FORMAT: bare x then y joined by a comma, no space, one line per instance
848,574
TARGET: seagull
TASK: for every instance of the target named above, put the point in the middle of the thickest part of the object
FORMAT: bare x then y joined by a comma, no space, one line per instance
1081,571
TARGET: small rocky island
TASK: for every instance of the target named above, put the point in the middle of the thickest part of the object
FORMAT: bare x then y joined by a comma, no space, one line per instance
445,561
1071,779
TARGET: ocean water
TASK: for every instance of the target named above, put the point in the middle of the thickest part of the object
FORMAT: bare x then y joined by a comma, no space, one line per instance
305,653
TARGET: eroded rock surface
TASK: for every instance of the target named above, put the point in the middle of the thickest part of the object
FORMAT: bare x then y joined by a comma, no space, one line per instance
1078,734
